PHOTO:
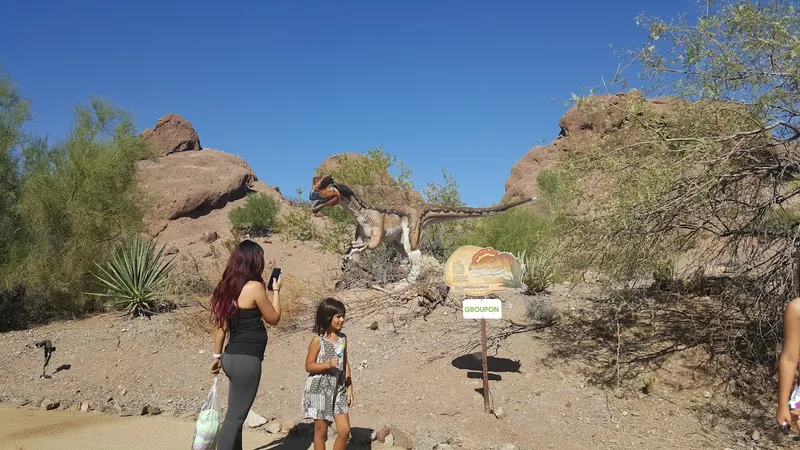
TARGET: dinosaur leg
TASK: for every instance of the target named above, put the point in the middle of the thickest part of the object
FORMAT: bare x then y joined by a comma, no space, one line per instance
352,249
415,259
357,245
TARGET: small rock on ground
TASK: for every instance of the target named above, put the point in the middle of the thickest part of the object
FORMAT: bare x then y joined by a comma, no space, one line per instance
273,427
254,420
508,447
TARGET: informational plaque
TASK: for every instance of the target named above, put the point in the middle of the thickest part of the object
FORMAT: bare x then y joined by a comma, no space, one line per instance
475,271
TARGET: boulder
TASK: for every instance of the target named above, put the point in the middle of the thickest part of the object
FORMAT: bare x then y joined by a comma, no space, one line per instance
521,183
190,184
172,133
384,189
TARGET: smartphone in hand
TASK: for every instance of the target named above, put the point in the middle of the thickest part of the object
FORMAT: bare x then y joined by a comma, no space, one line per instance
276,272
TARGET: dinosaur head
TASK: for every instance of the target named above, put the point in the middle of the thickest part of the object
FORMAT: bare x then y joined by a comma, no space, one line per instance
324,192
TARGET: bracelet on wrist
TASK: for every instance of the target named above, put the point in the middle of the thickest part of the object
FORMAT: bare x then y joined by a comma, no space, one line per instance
217,355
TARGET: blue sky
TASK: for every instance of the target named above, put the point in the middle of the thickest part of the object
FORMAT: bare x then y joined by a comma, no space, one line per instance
464,86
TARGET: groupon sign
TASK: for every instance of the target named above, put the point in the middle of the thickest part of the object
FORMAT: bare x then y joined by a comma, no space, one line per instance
482,308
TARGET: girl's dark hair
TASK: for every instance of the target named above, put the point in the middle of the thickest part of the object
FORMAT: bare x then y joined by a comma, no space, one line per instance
327,308
246,263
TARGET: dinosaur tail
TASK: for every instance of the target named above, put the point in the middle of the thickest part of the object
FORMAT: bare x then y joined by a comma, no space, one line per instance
443,214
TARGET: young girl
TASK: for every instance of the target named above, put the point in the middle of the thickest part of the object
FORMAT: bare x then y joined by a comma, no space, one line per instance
328,392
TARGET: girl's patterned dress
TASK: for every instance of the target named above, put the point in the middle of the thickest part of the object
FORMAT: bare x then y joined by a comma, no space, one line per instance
324,395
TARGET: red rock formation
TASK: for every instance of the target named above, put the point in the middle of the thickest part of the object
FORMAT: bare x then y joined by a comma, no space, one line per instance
172,133
580,125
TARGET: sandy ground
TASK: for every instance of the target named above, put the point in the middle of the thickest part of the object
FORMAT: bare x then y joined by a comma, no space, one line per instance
419,374
28,429
36,429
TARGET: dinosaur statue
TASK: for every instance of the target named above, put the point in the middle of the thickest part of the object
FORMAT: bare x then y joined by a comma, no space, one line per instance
400,226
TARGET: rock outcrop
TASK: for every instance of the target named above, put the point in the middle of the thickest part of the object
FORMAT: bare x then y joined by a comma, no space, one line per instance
185,180
188,184
580,126
171,134
384,188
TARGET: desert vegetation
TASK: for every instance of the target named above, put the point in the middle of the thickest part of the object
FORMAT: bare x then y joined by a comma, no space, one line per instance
257,217
687,205
683,201
680,196
64,206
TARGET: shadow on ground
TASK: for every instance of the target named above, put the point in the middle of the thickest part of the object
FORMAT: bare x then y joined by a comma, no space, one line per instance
306,441
718,339
474,366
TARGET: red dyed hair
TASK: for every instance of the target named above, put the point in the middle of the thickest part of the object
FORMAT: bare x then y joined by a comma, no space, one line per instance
246,263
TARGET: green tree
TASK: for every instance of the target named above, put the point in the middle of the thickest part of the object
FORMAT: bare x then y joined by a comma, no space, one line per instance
710,176
75,199
441,239
445,193
14,112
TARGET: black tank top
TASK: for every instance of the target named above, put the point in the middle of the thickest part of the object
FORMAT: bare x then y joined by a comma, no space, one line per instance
248,335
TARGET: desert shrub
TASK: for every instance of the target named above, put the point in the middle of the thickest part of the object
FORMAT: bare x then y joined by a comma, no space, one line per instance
540,272
440,239
295,295
380,266
134,276
540,310
297,225
516,230
65,203
258,216
188,283
237,236
339,232
705,178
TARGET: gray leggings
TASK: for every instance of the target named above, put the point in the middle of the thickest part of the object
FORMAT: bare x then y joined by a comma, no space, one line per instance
244,373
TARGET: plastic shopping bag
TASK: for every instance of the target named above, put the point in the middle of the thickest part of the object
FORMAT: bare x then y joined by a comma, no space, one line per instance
207,426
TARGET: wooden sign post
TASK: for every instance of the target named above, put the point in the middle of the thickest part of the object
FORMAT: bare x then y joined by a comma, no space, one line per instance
480,271
483,308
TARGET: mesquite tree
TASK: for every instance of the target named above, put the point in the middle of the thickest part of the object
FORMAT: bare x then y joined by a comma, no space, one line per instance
704,179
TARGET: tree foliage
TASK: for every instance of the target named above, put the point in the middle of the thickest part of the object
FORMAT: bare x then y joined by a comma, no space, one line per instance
705,178
66,204
14,112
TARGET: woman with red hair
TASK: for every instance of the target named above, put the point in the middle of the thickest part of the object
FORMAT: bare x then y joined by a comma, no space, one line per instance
239,306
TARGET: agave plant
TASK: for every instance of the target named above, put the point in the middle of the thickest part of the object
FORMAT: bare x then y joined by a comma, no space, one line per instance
539,274
518,272
133,276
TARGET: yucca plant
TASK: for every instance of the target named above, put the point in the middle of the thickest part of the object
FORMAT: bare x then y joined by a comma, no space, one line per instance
539,273
133,276
518,270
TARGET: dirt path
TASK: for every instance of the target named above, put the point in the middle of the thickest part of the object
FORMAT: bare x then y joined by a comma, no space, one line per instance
421,376
29,429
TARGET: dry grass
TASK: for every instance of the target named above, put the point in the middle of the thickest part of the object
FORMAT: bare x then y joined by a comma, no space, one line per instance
298,300
190,284
297,297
